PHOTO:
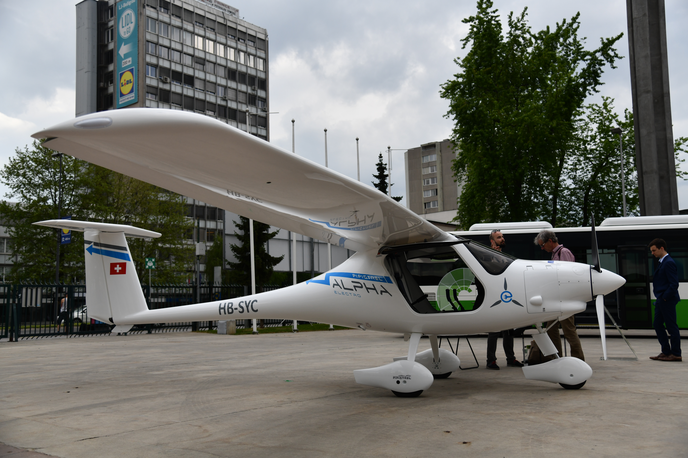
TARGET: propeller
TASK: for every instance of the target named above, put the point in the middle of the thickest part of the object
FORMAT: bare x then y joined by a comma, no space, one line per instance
599,307
599,300
593,244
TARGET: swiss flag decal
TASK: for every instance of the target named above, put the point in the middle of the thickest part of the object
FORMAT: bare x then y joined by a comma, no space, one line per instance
118,268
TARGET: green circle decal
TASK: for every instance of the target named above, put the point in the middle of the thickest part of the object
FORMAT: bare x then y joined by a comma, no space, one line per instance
450,289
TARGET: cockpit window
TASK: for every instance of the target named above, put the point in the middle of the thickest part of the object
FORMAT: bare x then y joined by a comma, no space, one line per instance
435,280
494,262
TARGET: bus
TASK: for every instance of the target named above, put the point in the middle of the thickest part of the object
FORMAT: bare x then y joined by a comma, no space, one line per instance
623,248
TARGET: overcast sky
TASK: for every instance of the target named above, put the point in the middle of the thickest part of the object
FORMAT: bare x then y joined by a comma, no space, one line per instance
367,69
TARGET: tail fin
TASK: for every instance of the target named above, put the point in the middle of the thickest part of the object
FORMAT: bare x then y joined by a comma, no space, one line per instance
113,290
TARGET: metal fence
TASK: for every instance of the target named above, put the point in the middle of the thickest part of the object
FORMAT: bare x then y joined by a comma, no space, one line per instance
32,310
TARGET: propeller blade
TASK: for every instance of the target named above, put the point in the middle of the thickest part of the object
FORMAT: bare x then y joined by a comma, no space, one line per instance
599,306
593,245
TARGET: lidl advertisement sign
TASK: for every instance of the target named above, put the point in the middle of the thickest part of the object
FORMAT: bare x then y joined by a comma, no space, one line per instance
127,52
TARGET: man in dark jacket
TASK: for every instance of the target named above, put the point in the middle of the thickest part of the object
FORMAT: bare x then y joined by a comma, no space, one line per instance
665,288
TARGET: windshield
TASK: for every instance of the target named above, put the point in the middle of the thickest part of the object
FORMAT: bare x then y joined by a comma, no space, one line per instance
493,261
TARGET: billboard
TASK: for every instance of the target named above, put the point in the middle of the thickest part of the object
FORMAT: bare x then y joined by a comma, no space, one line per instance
127,53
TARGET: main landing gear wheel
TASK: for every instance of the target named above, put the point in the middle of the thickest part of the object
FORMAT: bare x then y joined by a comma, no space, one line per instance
573,387
445,375
413,394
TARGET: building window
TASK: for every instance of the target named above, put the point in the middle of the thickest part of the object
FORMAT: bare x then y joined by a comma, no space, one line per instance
109,35
187,38
164,30
241,57
250,61
220,50
151,25
187,60
210,67
429,181
151,48
231,54
175,33
432,204
210,46
430,193
429,158
260,64
151,71
163,52
198,42
175,56
199,64
431,169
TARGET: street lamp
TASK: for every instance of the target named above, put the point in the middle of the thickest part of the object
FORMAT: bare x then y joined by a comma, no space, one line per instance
619,131
59,216
389,165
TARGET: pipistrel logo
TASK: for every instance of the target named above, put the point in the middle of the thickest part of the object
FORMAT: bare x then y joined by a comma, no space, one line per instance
506,297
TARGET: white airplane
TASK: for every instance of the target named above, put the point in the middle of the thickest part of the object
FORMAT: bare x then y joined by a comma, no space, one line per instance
387,285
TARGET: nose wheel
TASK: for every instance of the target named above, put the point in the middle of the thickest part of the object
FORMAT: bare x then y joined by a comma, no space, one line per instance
577,386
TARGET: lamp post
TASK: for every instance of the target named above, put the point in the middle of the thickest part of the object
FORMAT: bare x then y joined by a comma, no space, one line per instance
295,323
619,131
59,216
389,166
358,162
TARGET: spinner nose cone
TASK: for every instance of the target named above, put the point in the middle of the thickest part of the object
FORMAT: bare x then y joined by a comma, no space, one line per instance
605,282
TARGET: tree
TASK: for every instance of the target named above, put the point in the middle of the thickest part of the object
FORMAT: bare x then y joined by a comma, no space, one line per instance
213,258
514,104
264,262
33,177
592,179
381,177
89,192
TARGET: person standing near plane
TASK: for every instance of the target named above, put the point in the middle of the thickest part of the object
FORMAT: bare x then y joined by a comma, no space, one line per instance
665,288
497,242
547,240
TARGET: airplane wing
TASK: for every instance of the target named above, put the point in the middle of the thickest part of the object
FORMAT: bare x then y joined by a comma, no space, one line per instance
203,158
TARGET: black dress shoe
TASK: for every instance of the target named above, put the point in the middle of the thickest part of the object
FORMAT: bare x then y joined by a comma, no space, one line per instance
493,365
514,363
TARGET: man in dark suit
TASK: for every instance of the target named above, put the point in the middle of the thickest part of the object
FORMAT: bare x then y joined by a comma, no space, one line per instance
665,288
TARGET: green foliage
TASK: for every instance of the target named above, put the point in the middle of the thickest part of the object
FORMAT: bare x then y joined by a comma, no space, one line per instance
89,193
264,263
592,177
514,104
381,177
214,257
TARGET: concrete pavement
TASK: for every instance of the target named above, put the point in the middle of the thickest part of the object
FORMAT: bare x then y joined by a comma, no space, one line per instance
207,395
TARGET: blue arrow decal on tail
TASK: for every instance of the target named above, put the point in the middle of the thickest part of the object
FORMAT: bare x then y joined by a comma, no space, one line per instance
112,254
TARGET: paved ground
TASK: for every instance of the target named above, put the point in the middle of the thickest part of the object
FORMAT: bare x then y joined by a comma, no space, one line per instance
205,395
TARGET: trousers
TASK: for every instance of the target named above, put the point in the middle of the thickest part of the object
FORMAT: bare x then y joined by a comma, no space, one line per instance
569,327
665,316
507,343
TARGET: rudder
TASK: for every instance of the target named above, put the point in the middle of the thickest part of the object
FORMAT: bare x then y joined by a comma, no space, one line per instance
113,290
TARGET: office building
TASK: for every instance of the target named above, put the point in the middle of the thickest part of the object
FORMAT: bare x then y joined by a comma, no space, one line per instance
431,190
192,55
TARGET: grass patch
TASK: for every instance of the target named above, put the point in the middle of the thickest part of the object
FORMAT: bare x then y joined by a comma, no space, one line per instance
279,329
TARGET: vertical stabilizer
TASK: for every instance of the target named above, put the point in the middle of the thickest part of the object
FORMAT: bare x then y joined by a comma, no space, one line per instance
113,290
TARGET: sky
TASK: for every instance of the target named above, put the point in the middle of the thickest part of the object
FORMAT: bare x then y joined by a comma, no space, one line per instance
360,69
